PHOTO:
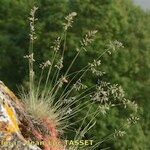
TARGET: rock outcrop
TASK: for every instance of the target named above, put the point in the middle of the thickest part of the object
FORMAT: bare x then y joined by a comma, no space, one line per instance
12,119
19,130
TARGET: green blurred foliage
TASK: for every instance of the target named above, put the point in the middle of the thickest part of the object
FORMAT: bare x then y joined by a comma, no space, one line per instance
115,20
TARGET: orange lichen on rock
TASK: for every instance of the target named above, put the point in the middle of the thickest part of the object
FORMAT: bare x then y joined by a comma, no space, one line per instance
51,139
55,143
13,122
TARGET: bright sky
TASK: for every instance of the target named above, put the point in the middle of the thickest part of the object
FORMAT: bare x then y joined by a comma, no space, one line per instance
144,3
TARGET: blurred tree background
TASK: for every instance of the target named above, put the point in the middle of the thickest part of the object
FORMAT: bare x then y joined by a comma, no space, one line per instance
115,20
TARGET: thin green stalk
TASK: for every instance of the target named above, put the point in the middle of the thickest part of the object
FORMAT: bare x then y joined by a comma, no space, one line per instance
64,48
48,75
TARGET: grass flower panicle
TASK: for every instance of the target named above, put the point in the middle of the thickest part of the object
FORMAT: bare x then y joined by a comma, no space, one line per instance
69,20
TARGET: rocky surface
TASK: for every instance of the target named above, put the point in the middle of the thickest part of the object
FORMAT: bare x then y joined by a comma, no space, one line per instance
18,130
11,115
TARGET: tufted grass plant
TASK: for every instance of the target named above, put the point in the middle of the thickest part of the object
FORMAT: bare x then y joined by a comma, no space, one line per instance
64,95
